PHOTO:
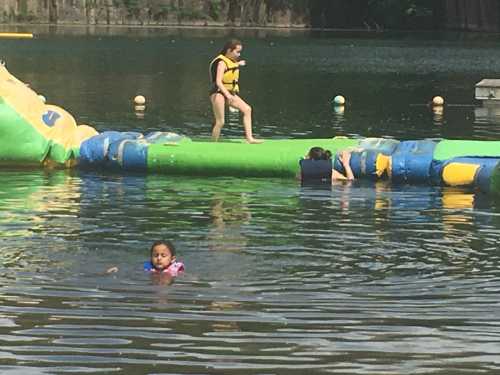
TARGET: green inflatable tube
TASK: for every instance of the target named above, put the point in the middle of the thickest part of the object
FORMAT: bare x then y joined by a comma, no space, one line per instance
273,158
449,149
495,181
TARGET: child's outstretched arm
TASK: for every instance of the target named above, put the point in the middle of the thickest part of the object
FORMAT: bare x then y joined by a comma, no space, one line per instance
337,176
345,158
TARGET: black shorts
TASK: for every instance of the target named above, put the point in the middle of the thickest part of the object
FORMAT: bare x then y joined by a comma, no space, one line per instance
216,90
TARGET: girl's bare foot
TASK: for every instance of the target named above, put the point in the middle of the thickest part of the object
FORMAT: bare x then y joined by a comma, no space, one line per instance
254,141
112,270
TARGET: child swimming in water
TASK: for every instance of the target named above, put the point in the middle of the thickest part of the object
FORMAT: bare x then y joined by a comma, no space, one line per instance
162,260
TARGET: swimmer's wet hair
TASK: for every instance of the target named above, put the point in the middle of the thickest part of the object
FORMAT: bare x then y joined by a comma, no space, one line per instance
230,45
168,244
319,153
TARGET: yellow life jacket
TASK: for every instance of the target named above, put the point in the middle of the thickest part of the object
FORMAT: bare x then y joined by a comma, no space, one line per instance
231,75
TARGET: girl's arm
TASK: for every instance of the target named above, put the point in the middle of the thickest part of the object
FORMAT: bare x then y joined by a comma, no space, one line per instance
345,158
337,175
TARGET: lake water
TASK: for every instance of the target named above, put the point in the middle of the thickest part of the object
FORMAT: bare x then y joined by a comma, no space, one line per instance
362,278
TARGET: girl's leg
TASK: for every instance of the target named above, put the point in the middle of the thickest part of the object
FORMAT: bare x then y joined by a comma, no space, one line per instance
218,103
247,118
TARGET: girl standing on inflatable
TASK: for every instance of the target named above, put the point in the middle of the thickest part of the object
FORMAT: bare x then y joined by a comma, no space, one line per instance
224,74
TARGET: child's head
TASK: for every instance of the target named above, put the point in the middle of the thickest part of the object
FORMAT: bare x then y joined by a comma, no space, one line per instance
162,254
232,49
318,153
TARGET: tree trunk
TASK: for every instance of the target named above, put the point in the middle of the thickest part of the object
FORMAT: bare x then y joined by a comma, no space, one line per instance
438,14
234,11
478,15
53,11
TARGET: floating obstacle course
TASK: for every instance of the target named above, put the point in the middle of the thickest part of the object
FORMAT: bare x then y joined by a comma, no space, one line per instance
35,133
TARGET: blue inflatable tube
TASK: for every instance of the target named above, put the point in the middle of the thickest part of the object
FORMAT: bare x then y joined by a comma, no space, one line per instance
411,162
364,156
481,179
134,155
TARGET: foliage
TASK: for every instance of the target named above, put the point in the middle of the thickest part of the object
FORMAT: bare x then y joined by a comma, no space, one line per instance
191,15
133,6
288,4
215,9
397,14
371,14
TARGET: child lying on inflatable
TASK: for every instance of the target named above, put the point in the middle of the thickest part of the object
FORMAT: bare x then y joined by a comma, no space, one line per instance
317,166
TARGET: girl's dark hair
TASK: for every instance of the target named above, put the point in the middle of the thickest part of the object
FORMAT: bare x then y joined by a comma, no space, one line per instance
230,44
168,244
318,153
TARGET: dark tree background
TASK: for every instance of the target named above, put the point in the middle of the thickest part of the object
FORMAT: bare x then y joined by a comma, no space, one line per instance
378,14
469,15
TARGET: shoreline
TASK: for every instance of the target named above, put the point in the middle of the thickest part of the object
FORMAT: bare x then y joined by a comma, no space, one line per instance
191,27
6,27
69,27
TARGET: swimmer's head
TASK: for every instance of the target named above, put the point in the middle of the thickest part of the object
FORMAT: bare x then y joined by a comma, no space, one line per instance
162,254
318,153
232,49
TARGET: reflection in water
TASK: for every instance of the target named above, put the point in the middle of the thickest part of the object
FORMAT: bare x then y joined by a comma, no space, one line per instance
234,126
323,280
438,115
486,121
139,111
487,114
338,119
225,307
339,110
457,205
454,198
34,205
229,215
162,279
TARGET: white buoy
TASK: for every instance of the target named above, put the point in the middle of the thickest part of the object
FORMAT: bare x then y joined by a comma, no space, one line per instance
140,100
437,100
339,100
43,99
